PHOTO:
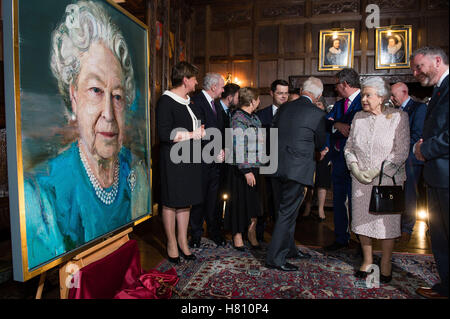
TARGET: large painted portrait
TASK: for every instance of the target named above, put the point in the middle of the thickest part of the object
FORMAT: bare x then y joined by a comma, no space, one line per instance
81,126
393,47
336,49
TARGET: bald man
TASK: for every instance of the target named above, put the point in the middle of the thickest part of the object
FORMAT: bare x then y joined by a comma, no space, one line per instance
416,112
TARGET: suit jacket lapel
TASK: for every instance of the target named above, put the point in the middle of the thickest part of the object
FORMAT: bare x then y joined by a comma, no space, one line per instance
437,96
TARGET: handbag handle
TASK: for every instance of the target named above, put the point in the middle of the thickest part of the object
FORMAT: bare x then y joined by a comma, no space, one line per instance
381,175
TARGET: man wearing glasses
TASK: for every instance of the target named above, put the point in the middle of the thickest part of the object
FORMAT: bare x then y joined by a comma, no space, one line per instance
279,90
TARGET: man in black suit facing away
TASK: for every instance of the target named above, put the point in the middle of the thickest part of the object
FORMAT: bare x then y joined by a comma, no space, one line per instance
301,135
206,111
279,90
430,68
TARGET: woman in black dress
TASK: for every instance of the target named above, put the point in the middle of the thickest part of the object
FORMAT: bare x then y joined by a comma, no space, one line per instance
244,206
180,181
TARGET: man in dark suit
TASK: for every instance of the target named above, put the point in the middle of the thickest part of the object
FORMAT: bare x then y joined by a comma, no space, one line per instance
430,68
227,104
416,113
279,90
206,111
301,133
338,125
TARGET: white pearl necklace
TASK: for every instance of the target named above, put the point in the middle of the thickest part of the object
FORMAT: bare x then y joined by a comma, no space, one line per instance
106,197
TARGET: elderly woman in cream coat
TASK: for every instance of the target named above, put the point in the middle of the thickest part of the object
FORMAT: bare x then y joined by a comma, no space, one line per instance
377,134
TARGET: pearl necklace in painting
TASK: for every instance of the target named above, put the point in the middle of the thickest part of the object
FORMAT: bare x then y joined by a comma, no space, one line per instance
106,197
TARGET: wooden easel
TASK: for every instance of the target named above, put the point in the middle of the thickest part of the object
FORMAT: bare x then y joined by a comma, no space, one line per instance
68,269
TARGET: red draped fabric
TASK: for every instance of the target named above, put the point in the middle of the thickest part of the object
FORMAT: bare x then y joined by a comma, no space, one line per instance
119,275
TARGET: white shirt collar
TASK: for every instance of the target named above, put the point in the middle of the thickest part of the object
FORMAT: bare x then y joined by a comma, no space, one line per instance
442,78
405,102
308,98
353,96
225,108
208,97
274,109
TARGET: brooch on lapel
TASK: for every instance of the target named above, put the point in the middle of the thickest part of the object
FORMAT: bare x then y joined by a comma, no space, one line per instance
132,179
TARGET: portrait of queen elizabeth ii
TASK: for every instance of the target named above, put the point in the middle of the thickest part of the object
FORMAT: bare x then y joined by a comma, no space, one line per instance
95,184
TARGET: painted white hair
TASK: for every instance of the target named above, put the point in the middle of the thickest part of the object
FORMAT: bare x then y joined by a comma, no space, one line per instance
210,80
85,23
380,86
314,86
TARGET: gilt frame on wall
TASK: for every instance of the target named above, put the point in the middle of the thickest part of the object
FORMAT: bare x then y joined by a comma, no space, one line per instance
336,49
78,127
393,47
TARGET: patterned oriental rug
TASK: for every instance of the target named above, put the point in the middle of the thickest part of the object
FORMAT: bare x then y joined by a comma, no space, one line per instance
226,273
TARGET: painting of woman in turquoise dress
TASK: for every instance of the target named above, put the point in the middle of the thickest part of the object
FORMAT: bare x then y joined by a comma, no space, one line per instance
96,183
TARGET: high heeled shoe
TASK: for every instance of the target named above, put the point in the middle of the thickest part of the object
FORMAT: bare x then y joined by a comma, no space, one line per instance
362,274
174,260
187,257
385,279
239,248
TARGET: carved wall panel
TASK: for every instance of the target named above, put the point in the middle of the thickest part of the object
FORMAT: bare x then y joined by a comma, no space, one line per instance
242,70
221,68
437,34
267,73
282,11
437,4
335,7
397,6
200,16
218,43
294,40
226,15
199,44
268,39
242,41
293,67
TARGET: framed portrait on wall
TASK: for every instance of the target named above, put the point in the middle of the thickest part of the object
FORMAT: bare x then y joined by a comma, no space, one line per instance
393,47
336,49
77,100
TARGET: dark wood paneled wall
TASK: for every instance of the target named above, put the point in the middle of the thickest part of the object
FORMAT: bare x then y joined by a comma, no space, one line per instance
259,40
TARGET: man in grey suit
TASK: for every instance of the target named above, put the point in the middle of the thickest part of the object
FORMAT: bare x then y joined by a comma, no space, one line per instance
301,135
430,68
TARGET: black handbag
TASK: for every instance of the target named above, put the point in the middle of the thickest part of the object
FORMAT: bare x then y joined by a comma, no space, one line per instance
387,199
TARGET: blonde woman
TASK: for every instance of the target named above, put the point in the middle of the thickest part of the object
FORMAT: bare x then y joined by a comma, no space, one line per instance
244,206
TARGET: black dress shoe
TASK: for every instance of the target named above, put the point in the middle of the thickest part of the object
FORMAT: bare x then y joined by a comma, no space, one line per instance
257,247
300,255
174,260
195,242
220,241
385,279
286,267
335,246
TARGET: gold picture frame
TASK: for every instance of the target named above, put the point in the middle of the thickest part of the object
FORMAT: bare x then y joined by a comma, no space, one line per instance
20,19
336,48
393,47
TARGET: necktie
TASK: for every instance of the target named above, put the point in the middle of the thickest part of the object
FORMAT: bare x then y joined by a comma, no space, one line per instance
213,108
346,105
